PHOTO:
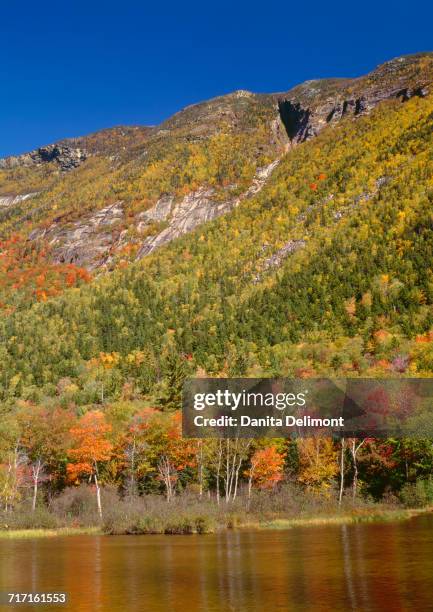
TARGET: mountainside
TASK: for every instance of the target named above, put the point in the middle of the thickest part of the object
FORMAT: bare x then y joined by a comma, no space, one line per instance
119,193
287,233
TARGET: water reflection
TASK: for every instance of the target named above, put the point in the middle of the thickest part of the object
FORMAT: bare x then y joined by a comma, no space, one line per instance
355,567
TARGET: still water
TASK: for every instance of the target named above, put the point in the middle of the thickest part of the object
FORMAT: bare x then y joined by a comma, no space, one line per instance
357,567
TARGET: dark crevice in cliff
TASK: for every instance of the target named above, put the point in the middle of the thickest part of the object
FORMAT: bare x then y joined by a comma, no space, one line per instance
296,119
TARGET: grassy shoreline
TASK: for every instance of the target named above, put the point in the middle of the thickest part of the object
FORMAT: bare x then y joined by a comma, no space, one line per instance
7,534
382,516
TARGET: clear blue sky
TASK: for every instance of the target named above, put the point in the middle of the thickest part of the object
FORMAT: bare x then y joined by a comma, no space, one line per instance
71,67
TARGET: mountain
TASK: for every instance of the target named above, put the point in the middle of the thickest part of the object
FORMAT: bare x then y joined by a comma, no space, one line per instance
286,233
139,187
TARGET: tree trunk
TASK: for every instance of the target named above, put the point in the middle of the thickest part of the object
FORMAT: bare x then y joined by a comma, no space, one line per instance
231,473
35,494
200,469
132,475
165,472
98,496
227,478
355,470
237,478
250,480
169,483
354,450
218,474
340,497
36,469
250,486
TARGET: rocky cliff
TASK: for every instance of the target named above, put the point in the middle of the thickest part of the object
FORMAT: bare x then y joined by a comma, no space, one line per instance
308,108
134,189
66,157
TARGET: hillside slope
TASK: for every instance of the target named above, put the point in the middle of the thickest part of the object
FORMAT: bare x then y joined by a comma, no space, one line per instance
106,199
325,269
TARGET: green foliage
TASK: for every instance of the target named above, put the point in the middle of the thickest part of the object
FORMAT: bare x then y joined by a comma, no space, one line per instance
326,272
418,494
365,275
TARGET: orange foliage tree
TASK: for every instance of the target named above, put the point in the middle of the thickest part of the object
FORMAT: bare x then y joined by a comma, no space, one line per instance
266,468
91,446
25,267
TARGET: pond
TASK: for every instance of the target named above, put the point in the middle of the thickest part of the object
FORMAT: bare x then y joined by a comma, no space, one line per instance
376,566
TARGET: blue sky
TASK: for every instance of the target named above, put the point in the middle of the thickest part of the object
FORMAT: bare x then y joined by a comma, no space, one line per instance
71,67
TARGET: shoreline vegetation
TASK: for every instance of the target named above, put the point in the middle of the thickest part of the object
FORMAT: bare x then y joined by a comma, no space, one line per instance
75,512
129,472
381,516
326,272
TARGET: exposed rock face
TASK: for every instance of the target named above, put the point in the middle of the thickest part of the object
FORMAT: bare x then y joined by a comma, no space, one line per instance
285,119
275,260
7,201
66,157
195,208
88,243
305,122
157,213
306,109
93,241
296,120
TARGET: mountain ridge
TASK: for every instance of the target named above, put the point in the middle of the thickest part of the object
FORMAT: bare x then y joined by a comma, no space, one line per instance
325,269
135,134
112,197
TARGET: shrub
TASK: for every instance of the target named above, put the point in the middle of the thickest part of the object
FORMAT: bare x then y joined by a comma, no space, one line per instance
204,524
146,524
182,525
418,494
152,514
24,518
76,504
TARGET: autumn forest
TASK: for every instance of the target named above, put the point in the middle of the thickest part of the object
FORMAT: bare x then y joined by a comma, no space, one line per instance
227,242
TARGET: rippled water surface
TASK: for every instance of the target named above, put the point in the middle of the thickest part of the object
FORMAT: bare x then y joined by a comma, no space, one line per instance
356,567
